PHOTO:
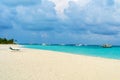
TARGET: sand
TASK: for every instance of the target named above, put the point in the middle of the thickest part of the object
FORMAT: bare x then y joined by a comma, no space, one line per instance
30,64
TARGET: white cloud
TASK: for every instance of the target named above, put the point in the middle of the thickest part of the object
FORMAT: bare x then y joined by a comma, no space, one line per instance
60,6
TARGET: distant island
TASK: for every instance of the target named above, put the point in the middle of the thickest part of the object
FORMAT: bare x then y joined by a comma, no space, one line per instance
6,41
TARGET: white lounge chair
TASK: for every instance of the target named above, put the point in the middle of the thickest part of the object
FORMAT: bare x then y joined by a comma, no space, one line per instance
13,49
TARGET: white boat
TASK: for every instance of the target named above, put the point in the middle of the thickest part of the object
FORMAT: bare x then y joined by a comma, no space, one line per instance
106,45
78,45
43,44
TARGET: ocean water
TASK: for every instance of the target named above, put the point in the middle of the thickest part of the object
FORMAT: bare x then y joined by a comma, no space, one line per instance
96,51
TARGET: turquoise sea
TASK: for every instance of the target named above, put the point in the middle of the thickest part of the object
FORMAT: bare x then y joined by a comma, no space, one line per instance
96,51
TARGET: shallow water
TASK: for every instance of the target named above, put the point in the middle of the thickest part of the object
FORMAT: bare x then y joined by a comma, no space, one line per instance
96,51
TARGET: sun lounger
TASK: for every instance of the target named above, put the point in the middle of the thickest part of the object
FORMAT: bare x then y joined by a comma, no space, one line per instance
13,49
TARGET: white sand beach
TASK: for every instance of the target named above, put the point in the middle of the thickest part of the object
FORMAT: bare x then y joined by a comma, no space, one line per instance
30,64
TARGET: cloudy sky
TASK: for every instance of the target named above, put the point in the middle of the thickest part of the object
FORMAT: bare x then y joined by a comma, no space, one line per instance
61,21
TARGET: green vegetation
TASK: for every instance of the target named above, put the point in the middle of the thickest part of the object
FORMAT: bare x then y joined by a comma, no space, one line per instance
6,41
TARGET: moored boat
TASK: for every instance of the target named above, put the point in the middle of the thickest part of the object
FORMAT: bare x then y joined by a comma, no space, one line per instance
106,45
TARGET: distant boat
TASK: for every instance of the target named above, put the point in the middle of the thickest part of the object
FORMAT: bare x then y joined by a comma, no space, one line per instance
78,45
84,45
43,44
106,45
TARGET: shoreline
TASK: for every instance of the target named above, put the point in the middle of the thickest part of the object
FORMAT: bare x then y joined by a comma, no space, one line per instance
76,54
72,54
32,64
